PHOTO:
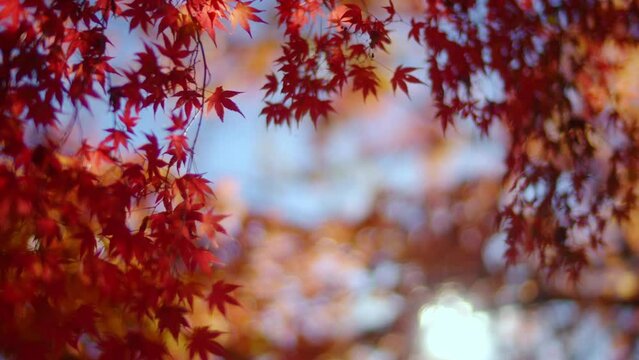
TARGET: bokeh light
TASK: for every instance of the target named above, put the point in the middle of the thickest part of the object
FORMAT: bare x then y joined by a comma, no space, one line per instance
451,329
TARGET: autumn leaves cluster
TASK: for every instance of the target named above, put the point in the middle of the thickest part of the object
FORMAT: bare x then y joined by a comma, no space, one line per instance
108,249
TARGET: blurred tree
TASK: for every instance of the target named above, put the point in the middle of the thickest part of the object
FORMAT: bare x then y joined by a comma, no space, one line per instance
109,250
545,71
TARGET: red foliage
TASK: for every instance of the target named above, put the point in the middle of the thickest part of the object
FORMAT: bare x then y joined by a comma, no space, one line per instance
221,99
101,252
402,76
201,343
79,270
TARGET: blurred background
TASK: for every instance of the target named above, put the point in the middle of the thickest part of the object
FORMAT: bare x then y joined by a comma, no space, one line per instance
374,235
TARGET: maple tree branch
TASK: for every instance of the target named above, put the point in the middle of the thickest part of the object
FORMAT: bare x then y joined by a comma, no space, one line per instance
200,45
545,296
69,127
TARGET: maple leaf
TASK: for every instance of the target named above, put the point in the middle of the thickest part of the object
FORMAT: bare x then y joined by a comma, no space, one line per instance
118,138
243,13
276,113
138,15
178,123
171,318
178,149
378,35
170,17
364,79
12,10
128,120
311,105
211,226
83,320
87,242
220,99
271,85
209,18
173,289
202,342
47,229
173,50
219,296
144,348
353,16
390,9
194,186
416,28
203,259
113,348
402,76
190,99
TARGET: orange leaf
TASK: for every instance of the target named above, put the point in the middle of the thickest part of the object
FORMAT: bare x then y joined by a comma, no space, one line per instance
243,13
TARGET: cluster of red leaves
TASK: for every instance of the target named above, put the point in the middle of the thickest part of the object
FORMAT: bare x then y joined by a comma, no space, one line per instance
313,69
570,166
80,272
103,254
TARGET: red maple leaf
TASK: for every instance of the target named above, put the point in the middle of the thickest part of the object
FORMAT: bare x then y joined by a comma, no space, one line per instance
353,16
202,343
189,99
276,113
311,105
203,259
211,226
178,149
390,9
194,186
416,28
221,99
243,13
171,318
271,85
128,120
364,79
402,76
117,138
219,296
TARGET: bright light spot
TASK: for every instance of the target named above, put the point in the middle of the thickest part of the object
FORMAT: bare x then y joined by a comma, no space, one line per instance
452,330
